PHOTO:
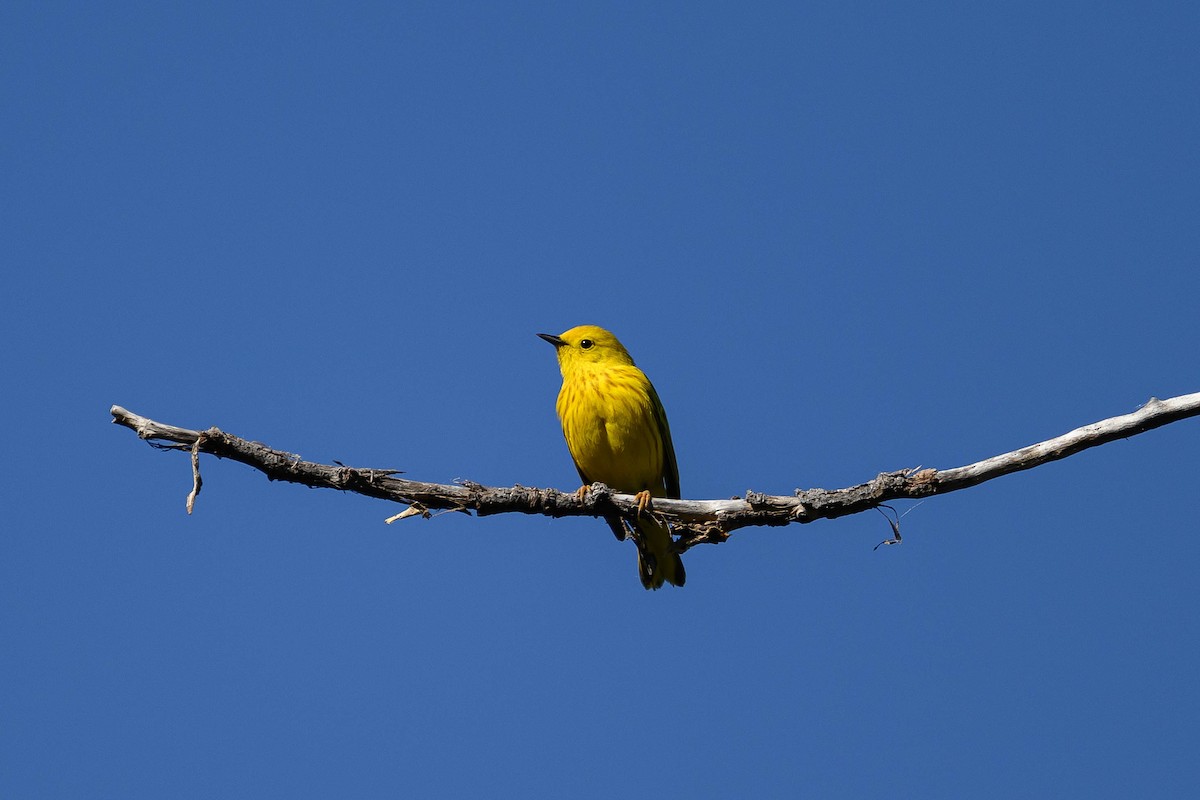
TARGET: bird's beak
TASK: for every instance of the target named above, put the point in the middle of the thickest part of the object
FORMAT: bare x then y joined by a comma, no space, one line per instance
552,339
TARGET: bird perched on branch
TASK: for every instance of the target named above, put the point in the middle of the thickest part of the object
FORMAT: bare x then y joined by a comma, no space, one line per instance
616,430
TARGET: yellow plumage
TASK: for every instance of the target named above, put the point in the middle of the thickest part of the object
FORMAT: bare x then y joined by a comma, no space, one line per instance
616,430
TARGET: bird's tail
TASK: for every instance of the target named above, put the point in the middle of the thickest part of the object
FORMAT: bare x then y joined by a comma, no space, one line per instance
657,560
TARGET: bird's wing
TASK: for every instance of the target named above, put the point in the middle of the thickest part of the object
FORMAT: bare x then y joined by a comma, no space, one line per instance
670,466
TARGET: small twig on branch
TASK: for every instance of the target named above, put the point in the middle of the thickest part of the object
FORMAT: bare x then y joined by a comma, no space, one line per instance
696,521
893,521
197,482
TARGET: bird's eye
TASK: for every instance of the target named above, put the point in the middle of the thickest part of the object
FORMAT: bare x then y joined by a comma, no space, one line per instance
587,344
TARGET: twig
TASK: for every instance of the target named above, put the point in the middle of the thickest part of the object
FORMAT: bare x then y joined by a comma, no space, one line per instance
696,521
197,482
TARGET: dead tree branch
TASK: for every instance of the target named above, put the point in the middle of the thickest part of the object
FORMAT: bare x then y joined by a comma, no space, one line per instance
696,521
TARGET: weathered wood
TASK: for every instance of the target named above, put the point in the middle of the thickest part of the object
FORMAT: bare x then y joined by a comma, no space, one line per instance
695,521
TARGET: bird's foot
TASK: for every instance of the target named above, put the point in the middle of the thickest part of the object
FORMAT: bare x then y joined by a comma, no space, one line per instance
643,500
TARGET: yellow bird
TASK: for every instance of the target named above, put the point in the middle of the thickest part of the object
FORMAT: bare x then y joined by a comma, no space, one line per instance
616,430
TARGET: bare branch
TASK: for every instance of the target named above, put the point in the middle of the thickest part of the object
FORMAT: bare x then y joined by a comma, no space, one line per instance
696,521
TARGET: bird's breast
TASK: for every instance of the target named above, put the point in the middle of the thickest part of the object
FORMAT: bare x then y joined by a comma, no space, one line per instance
611,428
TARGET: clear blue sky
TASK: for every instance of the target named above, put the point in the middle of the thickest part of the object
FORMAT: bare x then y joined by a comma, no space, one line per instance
841,238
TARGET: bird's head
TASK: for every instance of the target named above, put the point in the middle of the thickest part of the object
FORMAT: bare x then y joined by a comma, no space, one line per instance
587,345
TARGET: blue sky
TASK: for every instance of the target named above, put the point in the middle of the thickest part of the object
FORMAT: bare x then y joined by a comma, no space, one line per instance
840,238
